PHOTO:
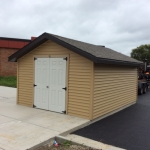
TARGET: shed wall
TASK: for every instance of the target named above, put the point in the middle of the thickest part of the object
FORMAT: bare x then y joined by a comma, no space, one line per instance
114,87
79,79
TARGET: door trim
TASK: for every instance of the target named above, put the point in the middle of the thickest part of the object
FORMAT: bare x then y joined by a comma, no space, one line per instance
67,74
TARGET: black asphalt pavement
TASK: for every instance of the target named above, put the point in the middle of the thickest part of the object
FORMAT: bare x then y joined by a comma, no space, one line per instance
128,129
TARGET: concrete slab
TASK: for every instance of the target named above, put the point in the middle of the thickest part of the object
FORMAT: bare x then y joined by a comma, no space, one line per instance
2,98
7,92
8,100
55,121
23,127
4,119
18,135
17,111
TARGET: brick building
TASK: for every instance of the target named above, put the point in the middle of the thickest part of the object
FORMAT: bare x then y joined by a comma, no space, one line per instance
8,46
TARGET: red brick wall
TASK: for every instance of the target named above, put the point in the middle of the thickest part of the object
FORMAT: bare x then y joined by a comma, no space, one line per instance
0,61
7,68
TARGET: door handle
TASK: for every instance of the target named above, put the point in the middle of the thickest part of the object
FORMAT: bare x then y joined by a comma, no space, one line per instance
47,86
64,88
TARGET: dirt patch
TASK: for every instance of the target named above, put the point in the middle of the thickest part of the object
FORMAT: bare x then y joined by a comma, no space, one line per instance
66,145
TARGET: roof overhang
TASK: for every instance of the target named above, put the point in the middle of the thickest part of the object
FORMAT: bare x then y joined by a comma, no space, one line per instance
117,62
14,39
45,36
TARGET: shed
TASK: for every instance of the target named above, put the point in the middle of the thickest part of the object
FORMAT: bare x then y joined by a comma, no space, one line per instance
80,79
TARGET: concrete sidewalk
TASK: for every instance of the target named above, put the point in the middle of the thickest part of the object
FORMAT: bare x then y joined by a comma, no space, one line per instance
23,127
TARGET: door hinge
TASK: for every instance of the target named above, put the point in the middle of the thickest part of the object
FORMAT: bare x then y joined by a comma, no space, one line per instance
64,112
64,88
35,58
65,58
34,85
34,106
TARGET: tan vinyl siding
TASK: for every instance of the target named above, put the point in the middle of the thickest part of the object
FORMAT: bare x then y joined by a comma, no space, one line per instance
79,79
114,87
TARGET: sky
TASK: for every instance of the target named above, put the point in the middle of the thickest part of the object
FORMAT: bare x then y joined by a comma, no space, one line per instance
118,24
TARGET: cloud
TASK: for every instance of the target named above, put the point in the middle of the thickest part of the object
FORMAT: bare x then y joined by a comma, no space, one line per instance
118,24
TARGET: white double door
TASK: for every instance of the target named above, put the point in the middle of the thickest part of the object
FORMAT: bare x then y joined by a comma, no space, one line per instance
50,81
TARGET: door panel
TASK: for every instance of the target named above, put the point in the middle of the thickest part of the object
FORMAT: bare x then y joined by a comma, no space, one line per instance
57,82
41,81
50,79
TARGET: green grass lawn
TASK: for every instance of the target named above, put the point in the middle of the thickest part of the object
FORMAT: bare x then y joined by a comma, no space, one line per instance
10,81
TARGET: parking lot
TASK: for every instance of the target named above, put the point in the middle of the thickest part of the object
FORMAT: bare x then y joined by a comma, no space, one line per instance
128,129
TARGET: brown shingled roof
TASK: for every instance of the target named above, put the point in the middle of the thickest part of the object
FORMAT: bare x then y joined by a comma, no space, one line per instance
97,51
97,54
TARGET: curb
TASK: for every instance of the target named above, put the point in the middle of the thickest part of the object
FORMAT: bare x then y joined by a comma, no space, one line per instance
41,144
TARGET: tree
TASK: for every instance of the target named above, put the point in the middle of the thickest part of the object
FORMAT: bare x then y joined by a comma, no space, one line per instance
141,53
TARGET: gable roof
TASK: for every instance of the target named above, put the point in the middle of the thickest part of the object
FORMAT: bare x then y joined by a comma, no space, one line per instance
95,53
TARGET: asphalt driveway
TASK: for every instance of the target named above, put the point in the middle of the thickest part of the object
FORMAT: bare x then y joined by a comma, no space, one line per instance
128,129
